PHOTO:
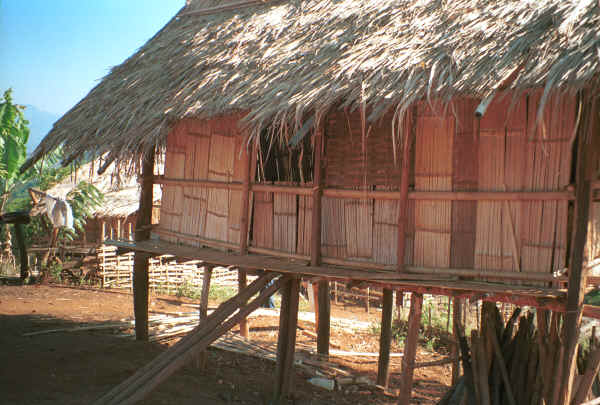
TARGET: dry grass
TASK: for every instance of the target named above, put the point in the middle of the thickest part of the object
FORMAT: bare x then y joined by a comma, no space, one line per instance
284,62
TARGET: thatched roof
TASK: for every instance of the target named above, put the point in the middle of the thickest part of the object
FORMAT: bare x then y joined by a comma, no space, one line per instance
287,60
121,192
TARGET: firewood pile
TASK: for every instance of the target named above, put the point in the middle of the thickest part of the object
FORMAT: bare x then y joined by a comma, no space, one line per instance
520,362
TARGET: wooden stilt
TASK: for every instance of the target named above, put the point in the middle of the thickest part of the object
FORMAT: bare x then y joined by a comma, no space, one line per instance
286,342
140,261
587,159
410,348
203,312
385,338
455,350
242,282
324,311
323,308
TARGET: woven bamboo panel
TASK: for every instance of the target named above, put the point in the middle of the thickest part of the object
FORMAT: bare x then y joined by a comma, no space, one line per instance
235,197
385,232
354,160
284,222
358,217
199,196
433,172
304,224
220,167
548,167
464,178
502,154
262,224
333,228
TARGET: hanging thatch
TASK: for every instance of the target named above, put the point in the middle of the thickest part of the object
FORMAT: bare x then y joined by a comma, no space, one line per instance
285,59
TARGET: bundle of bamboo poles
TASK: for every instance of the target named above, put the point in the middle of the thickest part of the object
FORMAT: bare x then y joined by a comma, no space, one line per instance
519,362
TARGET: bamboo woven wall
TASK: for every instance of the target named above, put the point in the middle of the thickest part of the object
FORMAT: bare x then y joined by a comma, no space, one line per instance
202,150
360,156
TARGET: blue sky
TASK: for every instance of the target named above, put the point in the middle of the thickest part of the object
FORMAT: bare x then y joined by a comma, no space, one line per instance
52,52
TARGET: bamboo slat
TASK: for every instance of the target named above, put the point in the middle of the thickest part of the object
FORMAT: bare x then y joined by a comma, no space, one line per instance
222,150
304,225
262,226
385,232
358,217
333,231
284,222
433,172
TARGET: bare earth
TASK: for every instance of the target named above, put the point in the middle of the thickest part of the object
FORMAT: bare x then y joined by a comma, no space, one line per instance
78,367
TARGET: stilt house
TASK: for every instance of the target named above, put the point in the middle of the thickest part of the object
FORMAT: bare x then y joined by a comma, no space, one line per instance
424,146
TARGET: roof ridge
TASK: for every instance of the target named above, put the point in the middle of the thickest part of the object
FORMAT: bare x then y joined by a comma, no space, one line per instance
228,7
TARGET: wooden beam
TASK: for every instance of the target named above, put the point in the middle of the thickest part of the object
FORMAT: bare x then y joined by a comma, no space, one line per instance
286,342
324,304
587,155
410,348
242,282
139,385
203,311
140,261
386,315
452,195
247,157
385,338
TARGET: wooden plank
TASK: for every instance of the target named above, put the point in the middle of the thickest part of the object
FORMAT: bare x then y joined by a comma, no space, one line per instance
442,285
140,261
284,222
410,349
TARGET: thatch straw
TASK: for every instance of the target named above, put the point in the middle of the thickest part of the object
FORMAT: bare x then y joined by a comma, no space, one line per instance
283,61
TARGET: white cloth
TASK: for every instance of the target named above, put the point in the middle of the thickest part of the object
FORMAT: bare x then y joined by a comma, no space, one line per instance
60,213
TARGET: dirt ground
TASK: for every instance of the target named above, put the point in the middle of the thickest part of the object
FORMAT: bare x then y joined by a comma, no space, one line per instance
78,367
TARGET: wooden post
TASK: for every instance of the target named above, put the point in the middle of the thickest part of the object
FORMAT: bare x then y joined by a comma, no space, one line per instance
203,310
140,260
324,304
242,283
455,349
118,228
103,230
244,215
244,220
587,160
286,342
410,348
385,338
367,303
386,324
130,227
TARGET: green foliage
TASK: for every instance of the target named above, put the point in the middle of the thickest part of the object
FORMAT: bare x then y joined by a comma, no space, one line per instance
187,289
84,199
14,134
221,293
592,298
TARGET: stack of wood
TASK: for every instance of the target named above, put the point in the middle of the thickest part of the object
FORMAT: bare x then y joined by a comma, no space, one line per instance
518,362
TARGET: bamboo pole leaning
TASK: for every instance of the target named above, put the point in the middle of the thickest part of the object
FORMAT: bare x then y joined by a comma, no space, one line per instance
218,323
